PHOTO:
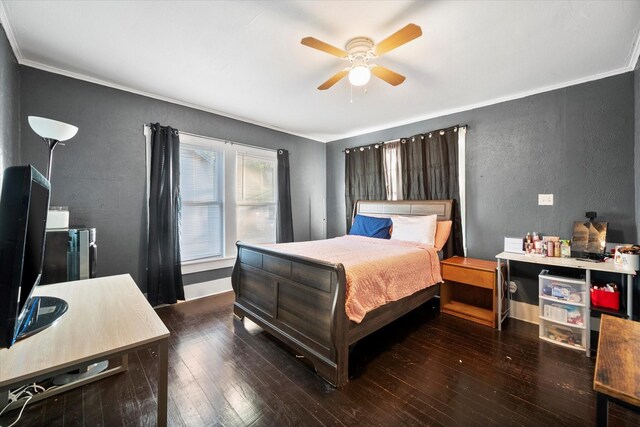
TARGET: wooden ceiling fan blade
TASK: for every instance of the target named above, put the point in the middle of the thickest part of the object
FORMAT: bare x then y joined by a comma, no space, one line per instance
334,79
325,47
400,37
387,75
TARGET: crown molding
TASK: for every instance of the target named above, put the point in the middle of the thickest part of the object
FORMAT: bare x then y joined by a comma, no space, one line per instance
78,76
487,103
4,20
352,134
635,52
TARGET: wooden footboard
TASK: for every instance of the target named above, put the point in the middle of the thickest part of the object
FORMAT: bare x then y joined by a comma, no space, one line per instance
298,300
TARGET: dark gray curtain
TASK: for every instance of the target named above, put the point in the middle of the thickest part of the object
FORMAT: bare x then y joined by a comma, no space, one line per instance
413,157
363,177
284,226
164,271
430,172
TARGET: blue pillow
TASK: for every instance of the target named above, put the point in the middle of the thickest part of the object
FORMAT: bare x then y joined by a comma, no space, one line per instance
369,226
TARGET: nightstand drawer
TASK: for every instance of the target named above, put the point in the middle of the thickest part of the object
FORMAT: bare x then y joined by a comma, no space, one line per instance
469,276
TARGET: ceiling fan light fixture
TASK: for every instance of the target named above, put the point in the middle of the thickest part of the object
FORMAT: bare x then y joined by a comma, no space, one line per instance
359,75
359,51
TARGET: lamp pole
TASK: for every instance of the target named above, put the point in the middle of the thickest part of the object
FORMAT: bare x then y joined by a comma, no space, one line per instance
51,143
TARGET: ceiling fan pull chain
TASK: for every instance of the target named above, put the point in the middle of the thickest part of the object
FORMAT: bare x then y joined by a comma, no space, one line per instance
351,89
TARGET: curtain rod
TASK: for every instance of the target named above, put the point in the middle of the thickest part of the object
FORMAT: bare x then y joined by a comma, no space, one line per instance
146,125
399,139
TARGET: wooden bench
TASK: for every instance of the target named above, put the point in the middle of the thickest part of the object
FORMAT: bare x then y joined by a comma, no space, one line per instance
617,375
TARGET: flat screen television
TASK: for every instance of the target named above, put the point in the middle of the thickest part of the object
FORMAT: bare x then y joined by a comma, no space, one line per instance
24,203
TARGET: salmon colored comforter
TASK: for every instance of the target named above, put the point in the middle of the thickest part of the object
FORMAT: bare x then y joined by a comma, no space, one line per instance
377,270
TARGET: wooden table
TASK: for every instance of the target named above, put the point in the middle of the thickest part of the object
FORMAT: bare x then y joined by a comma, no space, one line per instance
107,318
617,375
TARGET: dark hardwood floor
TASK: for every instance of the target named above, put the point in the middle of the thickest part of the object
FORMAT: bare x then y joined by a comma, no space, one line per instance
424,369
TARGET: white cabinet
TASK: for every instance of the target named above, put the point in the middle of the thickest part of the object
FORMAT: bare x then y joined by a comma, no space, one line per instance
564,312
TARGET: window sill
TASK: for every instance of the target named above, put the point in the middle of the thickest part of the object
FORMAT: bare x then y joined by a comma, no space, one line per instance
197,266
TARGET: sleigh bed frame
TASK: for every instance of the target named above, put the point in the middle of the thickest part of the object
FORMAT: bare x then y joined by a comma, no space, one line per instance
301,301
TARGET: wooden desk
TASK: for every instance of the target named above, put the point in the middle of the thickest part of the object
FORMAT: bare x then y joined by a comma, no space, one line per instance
107,318
617,375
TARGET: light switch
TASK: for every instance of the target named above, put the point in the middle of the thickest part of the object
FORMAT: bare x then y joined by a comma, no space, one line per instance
545,199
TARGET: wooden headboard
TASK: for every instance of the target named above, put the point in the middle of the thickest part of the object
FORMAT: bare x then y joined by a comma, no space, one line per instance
442,208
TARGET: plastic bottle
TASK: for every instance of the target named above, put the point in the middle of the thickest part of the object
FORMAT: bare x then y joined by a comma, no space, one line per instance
566,249
537,244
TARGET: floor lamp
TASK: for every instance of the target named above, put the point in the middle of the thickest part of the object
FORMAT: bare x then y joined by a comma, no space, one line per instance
52,132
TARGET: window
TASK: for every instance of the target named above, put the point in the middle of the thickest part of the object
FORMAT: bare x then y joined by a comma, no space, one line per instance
228,194
256,198
201,187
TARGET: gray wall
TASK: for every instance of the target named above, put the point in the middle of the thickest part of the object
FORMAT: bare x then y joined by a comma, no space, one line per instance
100,173
636,94
576,143
9,106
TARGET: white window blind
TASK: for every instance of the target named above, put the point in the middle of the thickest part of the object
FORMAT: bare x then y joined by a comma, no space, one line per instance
255,198
202,190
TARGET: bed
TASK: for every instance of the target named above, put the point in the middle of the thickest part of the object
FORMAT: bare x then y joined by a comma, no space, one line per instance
301,300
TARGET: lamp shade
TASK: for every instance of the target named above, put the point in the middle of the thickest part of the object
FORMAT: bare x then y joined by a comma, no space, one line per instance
359,75
52,129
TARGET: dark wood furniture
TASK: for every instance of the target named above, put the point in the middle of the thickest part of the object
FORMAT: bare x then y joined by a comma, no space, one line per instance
470,290
301,301
617,374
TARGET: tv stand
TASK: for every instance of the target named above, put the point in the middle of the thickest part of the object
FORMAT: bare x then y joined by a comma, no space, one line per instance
41,313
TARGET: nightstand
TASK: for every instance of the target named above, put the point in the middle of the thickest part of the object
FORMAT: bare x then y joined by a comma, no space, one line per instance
470,290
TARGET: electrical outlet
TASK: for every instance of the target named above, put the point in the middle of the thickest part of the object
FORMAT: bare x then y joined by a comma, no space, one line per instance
545,199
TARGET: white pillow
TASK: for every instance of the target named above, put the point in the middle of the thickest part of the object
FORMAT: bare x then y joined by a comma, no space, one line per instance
419,229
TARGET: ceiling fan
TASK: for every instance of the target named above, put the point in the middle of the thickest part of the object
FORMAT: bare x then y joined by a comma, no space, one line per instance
359,51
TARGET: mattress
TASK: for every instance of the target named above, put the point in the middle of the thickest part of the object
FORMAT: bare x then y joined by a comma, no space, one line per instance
377,270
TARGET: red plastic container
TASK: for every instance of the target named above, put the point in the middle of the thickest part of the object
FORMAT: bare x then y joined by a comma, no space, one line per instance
604,299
